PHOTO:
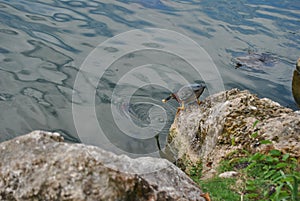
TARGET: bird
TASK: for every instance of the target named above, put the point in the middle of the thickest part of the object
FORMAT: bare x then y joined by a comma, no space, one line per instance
186,94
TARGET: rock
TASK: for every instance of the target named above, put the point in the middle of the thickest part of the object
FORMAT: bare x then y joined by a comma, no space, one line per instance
229,174
40,166
296,83
228,121
255,60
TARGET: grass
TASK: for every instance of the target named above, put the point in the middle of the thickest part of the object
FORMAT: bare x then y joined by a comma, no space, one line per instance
220,189
273,176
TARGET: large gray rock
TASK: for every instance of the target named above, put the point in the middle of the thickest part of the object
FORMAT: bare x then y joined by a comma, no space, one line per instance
225,122
296,83
40,166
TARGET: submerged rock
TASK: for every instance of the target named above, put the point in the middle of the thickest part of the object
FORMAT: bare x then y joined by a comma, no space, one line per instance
40,166
228,121
255,60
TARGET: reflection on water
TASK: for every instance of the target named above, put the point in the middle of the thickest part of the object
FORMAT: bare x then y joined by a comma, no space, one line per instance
43,45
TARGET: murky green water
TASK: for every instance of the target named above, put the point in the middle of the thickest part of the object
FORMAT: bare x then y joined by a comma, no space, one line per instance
44,43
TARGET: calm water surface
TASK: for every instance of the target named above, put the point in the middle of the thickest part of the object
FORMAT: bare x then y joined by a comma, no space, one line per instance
44,43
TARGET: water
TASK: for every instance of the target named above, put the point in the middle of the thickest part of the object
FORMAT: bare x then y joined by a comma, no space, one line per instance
44,44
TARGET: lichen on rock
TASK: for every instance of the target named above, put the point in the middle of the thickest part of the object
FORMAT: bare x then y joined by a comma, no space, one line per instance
228,121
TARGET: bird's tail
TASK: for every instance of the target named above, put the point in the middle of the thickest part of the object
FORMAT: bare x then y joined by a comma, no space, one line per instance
166,99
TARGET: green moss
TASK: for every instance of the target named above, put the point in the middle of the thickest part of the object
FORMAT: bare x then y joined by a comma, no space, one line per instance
186,165
195,171
171,135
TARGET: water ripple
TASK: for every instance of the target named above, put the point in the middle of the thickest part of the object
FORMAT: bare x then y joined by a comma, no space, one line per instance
43,43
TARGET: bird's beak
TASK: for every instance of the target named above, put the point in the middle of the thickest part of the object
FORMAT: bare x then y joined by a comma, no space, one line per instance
166,99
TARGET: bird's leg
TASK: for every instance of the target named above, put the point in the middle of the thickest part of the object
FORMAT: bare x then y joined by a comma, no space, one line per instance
198,101
180,108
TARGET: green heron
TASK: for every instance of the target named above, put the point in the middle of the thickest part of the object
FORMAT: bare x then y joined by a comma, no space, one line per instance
187,94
